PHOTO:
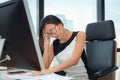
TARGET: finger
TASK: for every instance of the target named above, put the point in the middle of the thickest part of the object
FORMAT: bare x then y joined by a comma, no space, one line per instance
27,74
35,72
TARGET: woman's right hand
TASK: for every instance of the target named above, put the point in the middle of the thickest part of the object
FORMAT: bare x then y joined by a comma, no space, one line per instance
46,40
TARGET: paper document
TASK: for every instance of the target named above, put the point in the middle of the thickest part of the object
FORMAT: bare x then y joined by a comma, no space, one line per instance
52,76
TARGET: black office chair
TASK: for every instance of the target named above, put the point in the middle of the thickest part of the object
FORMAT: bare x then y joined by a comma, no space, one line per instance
101,50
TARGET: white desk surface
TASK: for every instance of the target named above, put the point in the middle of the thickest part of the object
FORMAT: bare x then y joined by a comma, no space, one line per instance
5,76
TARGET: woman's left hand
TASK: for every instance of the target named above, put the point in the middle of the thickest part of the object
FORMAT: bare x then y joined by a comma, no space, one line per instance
42,72
46,71
35,73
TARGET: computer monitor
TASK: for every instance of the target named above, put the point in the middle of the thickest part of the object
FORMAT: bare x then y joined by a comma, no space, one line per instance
21,45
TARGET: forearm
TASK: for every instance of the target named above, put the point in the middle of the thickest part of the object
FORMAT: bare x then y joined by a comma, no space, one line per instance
46,58
63,66
60,67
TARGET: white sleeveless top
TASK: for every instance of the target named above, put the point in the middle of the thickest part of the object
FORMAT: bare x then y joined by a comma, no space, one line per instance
63,54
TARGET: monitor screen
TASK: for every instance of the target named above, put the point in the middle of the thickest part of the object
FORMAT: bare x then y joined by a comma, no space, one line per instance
21,45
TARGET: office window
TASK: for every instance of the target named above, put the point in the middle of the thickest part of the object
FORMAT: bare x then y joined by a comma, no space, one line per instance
75,14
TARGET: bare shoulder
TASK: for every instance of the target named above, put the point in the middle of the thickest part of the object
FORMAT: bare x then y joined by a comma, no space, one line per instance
81,35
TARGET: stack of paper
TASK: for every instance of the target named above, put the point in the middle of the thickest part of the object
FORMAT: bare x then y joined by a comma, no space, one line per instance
40,77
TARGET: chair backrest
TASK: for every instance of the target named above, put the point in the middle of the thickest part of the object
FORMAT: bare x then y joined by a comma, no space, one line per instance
100,45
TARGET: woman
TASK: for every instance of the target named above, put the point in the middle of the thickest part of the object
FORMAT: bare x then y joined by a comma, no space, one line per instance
67,48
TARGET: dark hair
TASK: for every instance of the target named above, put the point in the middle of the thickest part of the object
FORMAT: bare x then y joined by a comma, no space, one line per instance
49,19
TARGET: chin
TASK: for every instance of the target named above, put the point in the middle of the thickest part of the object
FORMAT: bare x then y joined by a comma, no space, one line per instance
56,37
59,38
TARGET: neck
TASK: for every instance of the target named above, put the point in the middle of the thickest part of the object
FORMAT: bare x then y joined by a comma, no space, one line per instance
66,36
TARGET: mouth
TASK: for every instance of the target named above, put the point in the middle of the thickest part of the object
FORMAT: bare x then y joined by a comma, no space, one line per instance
56,37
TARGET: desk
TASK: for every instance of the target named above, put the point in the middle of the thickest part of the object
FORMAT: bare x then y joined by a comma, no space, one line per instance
3,73
4,76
